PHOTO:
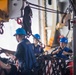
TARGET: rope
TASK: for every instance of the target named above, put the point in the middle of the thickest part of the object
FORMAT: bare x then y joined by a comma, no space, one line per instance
67,33
43,9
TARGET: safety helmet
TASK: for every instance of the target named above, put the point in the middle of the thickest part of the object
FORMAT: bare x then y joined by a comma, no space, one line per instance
37,36
64,40
20,31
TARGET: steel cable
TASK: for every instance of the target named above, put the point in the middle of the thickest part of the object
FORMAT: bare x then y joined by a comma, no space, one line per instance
43,8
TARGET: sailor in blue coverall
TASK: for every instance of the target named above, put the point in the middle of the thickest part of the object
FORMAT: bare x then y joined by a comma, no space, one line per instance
36,47
24,53
62,51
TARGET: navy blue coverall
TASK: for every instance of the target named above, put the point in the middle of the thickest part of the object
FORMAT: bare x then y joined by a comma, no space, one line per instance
61,55
37,49
26,57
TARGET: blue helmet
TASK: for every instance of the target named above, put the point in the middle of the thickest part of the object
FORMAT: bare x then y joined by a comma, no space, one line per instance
37,36
64,40
20,31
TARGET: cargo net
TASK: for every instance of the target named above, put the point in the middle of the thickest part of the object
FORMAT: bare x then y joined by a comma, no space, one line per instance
49,65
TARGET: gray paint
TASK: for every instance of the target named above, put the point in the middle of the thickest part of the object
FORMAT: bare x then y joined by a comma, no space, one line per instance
14,11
